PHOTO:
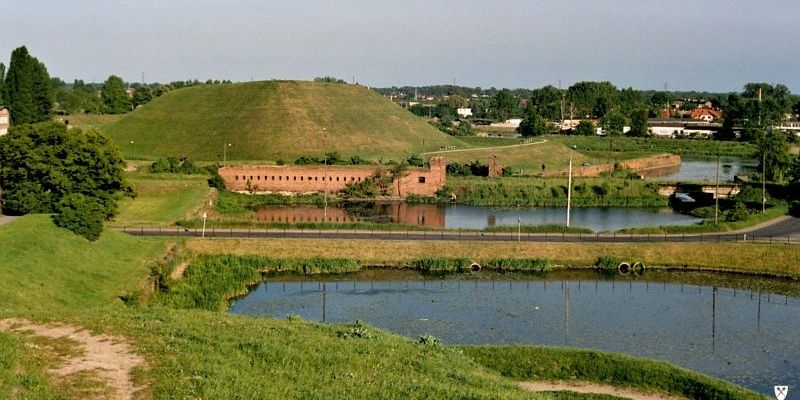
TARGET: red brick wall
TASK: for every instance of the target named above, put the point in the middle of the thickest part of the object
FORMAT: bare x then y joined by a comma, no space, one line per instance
309,179
640,165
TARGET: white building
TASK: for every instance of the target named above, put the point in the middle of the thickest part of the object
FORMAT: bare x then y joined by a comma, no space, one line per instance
4,120
464,112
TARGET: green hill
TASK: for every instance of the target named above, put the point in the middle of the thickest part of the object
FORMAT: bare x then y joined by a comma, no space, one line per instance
274,120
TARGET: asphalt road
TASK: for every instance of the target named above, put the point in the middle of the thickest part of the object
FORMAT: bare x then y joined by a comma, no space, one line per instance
786,231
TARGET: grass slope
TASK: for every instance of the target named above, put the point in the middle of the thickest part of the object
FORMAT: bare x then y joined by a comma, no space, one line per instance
45,267
162,199
50,274
274,120
527,157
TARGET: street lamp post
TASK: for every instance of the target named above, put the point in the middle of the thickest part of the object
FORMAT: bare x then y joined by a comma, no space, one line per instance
325,176
225,153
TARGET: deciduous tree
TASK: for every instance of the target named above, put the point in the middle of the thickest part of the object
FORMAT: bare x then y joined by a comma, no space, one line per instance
40,164
115,98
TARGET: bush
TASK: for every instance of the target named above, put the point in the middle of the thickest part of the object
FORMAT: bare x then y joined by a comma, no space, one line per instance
80,214
176,166
739,212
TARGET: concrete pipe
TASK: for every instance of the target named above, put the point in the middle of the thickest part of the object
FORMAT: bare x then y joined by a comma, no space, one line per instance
475,266
638,267
624,268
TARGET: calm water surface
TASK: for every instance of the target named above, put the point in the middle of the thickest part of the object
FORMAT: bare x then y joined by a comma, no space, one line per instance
747,334
477,217
694,170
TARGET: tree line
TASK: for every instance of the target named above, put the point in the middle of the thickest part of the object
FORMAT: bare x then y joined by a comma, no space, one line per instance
33,96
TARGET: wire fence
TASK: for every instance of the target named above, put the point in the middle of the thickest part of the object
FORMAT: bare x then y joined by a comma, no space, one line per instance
453,235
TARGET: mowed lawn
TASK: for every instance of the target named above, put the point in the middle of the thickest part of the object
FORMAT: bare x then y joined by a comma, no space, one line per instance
274,120
163,200
526,157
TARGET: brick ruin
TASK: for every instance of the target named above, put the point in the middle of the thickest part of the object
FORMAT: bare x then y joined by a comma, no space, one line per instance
293,179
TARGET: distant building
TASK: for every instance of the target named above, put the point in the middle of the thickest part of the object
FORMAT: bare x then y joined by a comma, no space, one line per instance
705,114
677,128
509,123
464,112
789,127
5,116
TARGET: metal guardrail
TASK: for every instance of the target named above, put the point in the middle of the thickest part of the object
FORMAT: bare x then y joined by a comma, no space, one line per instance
452,235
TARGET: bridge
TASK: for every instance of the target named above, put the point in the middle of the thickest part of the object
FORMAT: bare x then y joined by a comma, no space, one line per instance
724,190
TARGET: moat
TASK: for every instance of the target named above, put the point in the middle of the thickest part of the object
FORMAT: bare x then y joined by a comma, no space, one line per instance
739,329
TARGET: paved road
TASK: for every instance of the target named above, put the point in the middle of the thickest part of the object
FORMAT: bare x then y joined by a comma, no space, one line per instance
785,231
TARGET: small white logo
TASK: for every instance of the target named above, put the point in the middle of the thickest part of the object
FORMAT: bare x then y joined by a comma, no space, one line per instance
781,392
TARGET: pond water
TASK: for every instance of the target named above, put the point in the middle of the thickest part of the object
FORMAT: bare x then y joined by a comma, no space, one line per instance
744,331
597,219
705,169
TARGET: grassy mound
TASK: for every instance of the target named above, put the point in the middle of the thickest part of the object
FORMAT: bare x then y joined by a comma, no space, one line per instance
542,363
46,268
274,120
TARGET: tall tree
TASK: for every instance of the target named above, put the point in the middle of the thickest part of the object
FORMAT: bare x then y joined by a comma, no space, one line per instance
533,124
2,79
613,123
26,89
773,148
504,104
115,98
547,101
639,123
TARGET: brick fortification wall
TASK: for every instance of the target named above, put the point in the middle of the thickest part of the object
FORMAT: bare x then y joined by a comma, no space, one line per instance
317,178
661,162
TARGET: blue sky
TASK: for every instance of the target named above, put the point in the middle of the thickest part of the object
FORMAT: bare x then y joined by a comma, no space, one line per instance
715,45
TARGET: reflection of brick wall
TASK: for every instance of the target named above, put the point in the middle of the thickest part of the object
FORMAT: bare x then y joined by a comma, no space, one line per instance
399,212
317,178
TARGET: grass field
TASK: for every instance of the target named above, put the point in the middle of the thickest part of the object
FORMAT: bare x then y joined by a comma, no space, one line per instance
52,275
86,121
274,120
163,199
552,192
682,147
782,260
526,158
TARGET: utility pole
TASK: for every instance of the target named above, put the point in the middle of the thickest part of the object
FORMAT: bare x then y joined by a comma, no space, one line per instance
569,190
325,175
716,196
764,182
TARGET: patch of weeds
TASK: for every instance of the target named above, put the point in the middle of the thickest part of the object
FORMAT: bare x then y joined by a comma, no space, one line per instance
357,331
430,340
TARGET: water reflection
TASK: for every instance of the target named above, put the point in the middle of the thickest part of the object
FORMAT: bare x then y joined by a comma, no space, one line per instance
694,170
475,217
738,332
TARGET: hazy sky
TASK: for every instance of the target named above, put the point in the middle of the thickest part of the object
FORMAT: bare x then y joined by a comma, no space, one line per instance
715,45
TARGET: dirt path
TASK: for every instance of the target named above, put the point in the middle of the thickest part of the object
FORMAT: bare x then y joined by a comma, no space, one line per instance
594,388
4,219
109,359
178,272
485,148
